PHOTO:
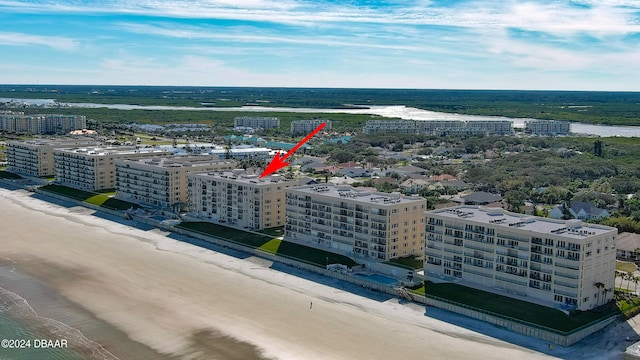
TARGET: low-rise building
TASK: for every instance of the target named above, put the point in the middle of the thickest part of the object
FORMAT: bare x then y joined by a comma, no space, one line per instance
342,219
239,199
161,182
35,157
628,247
564,264
93,168
579,210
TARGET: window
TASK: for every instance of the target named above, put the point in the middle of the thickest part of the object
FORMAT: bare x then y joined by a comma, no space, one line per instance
557,298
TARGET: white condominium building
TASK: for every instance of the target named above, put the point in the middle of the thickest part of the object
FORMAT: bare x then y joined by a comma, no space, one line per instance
547,127
255,122
307,126
93,168
161,182
238,199
564,264
35,157
390,126
342,219
439,127
491,127
41,124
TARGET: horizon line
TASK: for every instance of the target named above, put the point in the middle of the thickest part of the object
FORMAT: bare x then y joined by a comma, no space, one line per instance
323,88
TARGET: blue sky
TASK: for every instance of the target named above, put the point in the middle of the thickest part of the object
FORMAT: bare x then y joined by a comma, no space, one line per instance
451,44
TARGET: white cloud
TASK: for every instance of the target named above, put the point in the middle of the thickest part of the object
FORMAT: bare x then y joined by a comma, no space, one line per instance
266,37
22,39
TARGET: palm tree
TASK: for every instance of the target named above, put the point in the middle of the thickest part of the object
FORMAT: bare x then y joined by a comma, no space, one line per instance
598,285
604,293
629,277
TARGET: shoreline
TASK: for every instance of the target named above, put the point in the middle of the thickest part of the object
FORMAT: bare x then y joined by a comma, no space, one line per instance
181,300
41,310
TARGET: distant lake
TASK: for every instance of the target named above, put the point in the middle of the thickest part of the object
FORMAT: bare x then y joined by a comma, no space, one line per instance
391,111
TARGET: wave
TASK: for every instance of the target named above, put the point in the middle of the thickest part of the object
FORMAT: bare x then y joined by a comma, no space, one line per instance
18,308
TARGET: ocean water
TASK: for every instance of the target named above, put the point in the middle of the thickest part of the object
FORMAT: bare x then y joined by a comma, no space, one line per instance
54,320
18,322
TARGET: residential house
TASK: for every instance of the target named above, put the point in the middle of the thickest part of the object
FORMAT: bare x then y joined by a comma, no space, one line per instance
627,245
579,210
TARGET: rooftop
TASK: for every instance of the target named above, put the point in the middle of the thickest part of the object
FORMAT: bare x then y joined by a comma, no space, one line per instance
179,161
241,176
501,218
348,192
112,150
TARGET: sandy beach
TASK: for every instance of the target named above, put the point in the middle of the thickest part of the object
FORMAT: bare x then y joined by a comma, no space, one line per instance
154,297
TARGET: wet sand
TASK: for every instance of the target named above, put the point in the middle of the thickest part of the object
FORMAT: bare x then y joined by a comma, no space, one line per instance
149,294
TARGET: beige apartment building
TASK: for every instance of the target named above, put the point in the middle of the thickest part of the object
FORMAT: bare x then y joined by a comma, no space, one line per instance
35,157
345,220
562,264
161,182
93,168
239,199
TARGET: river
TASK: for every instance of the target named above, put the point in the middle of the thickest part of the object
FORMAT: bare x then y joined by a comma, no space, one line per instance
389,111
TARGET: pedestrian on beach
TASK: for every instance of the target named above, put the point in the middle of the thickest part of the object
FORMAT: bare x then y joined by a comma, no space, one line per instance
310,305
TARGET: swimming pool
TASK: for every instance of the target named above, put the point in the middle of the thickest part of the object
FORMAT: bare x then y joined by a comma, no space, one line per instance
379,278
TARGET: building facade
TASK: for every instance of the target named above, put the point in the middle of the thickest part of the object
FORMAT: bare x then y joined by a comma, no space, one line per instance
439,127
490,127
18,122
390,126
563,264
307,126
161,182
35,157
238,199
547,127
342,219
93,168
257,122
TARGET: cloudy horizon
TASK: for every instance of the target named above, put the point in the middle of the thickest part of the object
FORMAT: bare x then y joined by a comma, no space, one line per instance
453,44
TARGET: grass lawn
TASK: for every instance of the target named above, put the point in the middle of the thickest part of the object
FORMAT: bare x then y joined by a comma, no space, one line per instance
407,262
626,266
8,175
269,244
97,199
68,192
90,197
224,232
276,231
518,309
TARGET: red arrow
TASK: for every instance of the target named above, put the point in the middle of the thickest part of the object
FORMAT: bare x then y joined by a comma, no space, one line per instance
278,161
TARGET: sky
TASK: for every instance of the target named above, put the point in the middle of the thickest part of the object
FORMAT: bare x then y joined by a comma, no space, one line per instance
420,44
